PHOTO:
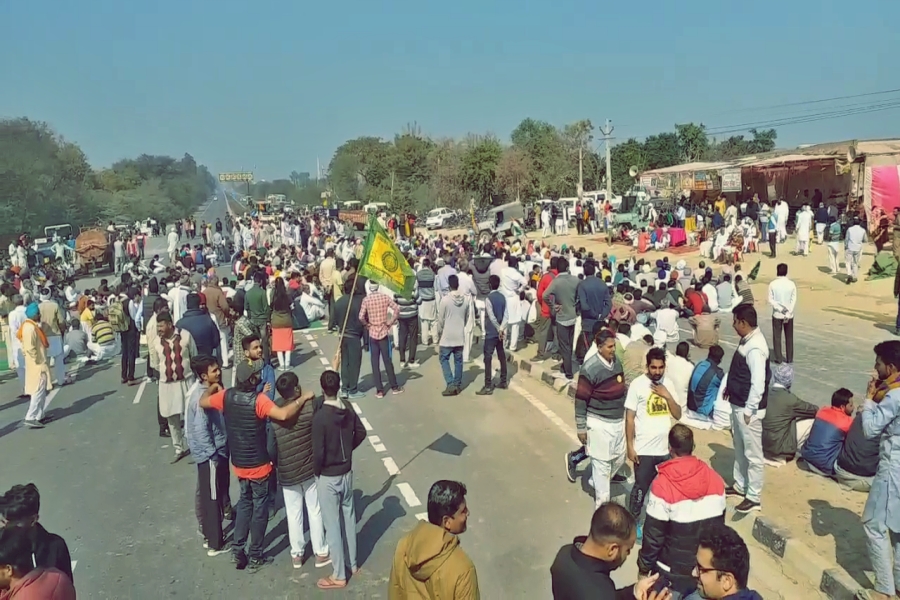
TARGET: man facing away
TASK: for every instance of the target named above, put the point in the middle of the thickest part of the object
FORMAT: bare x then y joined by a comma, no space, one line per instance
600,416
378,312
293,440
246,411
783,299
206,438
336,432
351,340
747,390
453,314
495,323
788,419
428,561
686,496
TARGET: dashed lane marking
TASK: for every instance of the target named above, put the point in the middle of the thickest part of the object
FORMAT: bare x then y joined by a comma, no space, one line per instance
376,443
74,564
422,516
542,408
391,466
366,423
409,495
324,361
314,344
356,408
308,337
140,392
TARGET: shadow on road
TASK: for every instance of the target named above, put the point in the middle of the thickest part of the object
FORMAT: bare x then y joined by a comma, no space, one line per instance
79,406
377,525
362,502
849,538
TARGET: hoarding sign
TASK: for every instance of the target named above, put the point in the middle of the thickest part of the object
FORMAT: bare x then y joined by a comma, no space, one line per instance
235,177
731,180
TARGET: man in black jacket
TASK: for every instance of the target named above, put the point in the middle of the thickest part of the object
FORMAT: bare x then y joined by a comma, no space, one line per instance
294,466
336,432
581,570
351,341
201,327
20,507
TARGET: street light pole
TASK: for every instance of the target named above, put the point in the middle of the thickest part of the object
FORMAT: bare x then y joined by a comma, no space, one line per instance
607,137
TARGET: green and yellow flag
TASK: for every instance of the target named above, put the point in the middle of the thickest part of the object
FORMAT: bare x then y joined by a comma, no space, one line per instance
383,263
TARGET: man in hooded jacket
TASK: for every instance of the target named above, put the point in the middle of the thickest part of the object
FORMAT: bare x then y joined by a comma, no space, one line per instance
453,315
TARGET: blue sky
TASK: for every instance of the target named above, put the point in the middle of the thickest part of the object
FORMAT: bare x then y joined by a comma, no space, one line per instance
274,85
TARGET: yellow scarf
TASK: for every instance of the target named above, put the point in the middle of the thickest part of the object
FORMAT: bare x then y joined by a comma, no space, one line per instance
37,328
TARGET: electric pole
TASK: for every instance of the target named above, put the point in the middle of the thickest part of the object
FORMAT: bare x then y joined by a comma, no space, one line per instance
607,137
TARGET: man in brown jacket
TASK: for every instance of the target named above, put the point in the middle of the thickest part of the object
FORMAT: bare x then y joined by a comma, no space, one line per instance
429,562
217,306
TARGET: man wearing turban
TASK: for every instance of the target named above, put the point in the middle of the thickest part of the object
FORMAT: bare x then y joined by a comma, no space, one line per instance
37,371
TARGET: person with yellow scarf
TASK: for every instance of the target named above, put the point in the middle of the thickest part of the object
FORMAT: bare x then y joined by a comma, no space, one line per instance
37,370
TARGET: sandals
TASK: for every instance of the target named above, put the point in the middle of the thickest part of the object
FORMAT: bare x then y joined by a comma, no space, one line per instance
329,583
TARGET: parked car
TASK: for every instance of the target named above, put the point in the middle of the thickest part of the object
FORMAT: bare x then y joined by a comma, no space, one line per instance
438,218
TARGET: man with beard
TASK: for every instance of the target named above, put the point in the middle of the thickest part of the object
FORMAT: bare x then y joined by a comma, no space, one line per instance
649,409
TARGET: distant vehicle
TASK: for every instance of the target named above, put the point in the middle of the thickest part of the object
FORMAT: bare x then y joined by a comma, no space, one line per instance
376,207
63,231
600,196
438,218
499,222
351,205
93,250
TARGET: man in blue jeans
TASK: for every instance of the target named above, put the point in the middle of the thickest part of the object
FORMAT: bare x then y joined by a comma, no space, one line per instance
245,412
494,331
453,315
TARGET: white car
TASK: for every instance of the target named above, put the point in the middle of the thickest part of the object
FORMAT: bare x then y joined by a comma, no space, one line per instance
437,217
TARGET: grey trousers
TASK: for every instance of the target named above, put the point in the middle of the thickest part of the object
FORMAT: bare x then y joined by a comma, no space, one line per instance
884,552
336,501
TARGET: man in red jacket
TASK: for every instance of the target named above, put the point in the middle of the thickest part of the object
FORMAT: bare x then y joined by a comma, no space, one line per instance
544,324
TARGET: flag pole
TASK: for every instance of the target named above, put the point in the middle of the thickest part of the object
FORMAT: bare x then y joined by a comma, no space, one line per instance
336,361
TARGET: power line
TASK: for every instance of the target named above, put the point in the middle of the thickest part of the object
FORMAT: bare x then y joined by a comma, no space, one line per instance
786,121
805,102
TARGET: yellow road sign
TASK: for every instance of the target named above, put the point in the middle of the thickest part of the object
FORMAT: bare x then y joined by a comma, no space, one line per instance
235,176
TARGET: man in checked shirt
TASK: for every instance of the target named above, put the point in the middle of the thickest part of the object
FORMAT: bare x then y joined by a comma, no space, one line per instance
378,314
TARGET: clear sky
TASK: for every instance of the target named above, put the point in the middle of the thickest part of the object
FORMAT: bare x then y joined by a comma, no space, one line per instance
274,85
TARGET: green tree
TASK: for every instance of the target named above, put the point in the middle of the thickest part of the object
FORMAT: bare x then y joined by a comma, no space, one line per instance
693,142
515,179
478,168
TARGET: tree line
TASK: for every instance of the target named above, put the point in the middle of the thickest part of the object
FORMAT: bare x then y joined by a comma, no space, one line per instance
416,172
47,180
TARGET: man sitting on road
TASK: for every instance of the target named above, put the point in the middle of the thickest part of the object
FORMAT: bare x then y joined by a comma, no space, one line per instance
686,496
103,339
704,385
858,460
788,419
828,432
428,561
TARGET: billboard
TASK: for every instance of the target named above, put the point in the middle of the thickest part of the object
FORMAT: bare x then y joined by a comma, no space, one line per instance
731,180
235,177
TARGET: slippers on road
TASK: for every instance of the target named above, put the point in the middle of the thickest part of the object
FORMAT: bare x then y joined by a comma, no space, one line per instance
329,583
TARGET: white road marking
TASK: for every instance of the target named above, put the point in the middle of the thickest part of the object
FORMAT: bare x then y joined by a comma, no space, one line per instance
308,337
376,443
140,392
542,408
74,564
409,495
356,408
391,466
314,344
366,423
324,361
422,516
140,361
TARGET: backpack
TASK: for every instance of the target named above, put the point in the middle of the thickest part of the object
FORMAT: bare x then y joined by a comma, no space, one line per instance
117,318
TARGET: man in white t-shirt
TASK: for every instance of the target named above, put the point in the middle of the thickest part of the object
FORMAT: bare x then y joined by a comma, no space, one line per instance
649,409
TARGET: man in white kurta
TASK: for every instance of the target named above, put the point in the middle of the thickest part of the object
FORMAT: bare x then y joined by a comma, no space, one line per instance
782,212
174,350
172,248
804,224
511,283
16,359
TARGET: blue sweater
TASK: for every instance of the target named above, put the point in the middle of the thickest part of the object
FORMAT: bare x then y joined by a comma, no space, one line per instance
593,300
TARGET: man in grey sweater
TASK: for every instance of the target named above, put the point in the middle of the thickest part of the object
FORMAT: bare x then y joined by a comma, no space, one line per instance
561,295
453,315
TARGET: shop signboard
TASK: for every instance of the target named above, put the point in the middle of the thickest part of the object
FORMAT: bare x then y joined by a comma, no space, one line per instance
731,180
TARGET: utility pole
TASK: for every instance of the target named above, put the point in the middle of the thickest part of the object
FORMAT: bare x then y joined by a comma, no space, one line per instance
580,171
607,137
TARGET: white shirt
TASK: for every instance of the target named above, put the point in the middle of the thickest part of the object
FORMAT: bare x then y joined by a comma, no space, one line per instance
652,419
782,298
679,370
638,331
856,237
667,322
173,241
712,297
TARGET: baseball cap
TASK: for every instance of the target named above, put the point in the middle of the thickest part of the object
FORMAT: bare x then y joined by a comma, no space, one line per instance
247,369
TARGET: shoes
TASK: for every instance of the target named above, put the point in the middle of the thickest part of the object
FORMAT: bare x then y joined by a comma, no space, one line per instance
747,506
323,561
240,560
618,478
256,564
414,364
179,456
356,396
379,394
397,390
502,385
450,391
570,468
404,365
164,433
485,391
343,395
297,562
732,492
31,424
45,420
228,514
222,550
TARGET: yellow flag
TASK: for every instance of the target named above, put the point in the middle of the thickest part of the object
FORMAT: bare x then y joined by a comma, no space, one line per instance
383,263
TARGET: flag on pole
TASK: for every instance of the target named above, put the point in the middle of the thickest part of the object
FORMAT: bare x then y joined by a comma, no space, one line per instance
383,263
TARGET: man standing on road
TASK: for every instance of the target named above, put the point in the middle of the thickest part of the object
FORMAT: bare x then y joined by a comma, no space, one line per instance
351,341
256,301
326,270
205,432
495,330
747,390
686,496
428,561
245,412
562,296
600,416
174,350
545,324
217,305
880,417
119,254
854,241
336,432
427,303
649,409
37,370
593,303
453,315
378,312
293,441
201,327
54,325
783,300
172,247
